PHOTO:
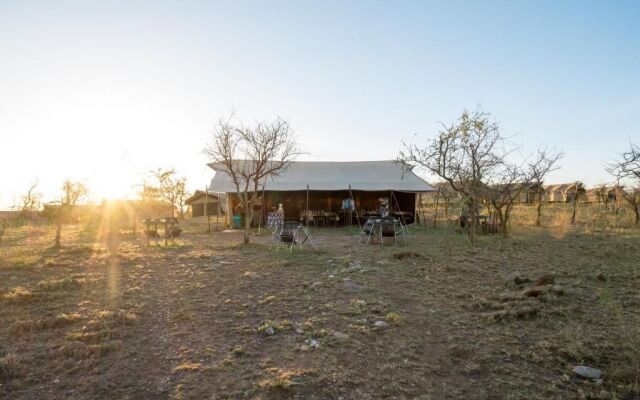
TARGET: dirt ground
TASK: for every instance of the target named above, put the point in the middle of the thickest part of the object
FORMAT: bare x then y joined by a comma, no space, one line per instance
207,318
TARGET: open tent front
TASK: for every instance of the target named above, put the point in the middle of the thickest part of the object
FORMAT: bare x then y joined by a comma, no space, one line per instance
321,188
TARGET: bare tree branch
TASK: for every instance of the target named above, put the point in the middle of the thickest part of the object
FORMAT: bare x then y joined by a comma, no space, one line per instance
251,156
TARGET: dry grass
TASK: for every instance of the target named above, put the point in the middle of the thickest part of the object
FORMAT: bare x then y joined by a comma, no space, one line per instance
190,319
11,366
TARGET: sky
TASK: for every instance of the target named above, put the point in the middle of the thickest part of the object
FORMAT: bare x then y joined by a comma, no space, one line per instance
102,92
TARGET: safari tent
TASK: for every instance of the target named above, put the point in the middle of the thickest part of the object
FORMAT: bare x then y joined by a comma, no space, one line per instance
204,203
310,186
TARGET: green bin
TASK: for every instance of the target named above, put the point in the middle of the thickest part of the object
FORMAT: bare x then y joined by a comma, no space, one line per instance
237,221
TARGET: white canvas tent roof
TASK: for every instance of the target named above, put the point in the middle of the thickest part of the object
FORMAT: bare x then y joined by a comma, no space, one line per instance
330,175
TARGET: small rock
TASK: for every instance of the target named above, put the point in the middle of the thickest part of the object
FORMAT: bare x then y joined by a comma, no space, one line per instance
315,285
546,279
601,277
340,335
331,276
587,372
270,331
305,347
299,331
380,324
312,343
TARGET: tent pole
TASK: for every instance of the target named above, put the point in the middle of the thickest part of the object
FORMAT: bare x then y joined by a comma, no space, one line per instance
218,216
354,208
261,212
206,211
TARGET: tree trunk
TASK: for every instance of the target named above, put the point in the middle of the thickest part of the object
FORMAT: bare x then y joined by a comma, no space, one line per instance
573,213
248,216
58,233
636,209
539,213
472,219
504,223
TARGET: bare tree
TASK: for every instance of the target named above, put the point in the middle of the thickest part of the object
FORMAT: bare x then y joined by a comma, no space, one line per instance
632,196
545,162
61,211
465,154
577,187
627,169
504,190
170,188
30,201
250,156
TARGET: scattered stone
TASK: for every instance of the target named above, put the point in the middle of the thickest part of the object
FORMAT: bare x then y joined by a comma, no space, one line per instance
311,343
299,331
340,336
601,277
305,347
331,276
315,285
380,325
587,372
546,279
270,331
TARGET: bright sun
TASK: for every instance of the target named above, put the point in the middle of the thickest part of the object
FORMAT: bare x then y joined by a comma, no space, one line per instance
111,186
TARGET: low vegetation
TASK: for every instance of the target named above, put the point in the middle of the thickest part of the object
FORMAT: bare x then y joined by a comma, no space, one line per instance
438,318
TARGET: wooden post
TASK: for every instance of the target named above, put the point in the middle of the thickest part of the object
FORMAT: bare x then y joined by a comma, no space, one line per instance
206,209
261,211
435,216
219,212
229,210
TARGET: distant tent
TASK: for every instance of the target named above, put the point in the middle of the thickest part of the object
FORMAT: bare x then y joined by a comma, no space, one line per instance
203,204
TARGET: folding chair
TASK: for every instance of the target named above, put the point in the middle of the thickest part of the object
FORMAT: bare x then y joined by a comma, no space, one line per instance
390,227
291,233
367,230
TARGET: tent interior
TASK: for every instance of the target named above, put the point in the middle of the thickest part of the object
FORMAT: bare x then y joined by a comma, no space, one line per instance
295,203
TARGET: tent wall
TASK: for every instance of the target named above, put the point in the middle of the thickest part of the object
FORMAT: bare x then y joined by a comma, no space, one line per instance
198,209
295,202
